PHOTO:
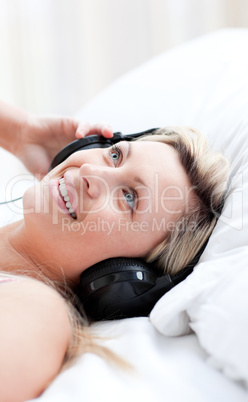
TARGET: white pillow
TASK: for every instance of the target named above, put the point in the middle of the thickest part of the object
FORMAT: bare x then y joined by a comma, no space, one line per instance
204,84
213,301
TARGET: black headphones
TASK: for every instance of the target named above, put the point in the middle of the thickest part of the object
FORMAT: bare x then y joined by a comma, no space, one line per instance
120,287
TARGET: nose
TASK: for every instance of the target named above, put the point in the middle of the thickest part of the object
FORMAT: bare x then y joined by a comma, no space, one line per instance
97,179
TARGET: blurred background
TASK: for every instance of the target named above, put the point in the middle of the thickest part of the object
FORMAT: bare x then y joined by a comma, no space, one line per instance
56,55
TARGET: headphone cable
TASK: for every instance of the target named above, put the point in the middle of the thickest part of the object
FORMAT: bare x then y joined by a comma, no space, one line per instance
7,202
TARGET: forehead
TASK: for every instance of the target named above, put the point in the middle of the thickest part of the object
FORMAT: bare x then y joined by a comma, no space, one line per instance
162,159
162,172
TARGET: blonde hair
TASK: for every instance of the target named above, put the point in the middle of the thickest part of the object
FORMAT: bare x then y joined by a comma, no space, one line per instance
84,340
207,172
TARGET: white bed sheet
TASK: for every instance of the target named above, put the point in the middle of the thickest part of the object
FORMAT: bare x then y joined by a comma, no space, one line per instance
166,369
198,84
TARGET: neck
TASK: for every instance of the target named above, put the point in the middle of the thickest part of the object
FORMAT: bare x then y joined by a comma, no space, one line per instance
19,255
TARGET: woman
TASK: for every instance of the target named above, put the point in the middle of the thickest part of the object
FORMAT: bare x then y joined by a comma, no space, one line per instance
157,198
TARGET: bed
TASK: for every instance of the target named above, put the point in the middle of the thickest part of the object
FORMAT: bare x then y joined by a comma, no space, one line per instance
194,345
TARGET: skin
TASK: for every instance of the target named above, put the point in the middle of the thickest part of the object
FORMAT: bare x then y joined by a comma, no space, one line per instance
35,333
98,182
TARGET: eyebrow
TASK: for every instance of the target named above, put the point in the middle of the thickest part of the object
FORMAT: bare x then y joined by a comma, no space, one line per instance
137,179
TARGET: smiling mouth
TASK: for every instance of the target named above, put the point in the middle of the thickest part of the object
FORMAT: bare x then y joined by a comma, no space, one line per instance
64,194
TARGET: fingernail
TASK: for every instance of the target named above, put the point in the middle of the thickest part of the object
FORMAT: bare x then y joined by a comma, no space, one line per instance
80,133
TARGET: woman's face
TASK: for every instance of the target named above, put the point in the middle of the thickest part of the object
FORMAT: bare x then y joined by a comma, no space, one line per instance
123,201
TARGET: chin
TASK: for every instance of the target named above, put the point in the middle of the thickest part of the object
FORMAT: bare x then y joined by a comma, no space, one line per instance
29,200
36,201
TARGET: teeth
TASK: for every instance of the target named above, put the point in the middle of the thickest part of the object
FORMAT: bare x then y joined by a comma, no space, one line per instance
63,190
64,194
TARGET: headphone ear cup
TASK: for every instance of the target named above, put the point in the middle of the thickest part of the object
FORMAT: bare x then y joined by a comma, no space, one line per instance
124,287
113,265
111,288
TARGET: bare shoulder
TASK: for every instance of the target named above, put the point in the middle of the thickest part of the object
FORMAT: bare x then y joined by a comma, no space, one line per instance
34,337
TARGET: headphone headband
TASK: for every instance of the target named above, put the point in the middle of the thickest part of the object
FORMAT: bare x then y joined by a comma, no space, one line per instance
95,141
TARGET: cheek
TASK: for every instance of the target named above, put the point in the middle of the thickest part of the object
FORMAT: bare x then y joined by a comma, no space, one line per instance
129,239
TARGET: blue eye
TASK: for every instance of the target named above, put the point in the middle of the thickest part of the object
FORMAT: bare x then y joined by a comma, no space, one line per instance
115,154
130,199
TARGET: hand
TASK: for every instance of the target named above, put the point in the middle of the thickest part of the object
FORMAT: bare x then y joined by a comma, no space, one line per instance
42,138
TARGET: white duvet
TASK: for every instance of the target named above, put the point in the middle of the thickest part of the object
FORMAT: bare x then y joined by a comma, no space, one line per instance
203,84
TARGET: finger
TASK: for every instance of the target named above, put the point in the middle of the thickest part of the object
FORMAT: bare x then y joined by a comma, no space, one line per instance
107,131
82,129
101,129
97,129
